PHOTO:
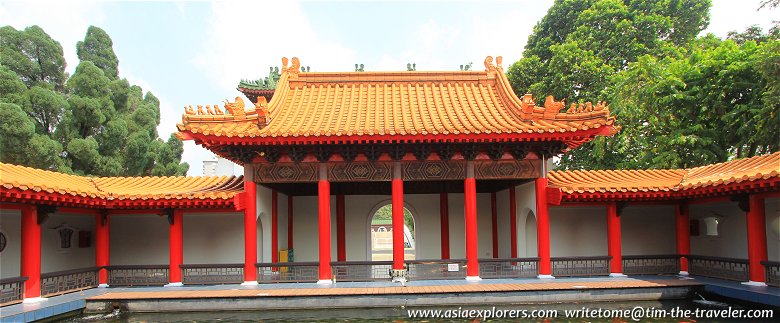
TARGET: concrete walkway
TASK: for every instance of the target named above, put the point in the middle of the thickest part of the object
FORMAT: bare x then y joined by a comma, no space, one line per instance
382,291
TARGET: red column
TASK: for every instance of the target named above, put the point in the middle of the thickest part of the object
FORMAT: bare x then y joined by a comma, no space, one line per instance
513,222
250,233
613,241
543,228
444,219
341,244
176,241
756,234
494,219
683,228
398,217
102,240
31,252
274,226
324,225
470,205
289,223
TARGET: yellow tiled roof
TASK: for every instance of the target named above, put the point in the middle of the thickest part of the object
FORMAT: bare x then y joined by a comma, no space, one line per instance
120,188
398,104
612,181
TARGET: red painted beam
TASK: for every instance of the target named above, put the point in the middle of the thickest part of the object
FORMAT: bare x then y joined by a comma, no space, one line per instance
398,217
341,242
683,233
274,226
31,252
323,203
250,231
494,223
756,235
470,206
513,222
176,244
613,240
444,219
290,222
543,228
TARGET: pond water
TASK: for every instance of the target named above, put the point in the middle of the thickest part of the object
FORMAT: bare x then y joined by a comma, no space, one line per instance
401,315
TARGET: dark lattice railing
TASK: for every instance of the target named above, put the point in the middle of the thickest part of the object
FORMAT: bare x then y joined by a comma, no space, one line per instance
12,290
67,281
212,274
719,267
278,272
361,270
508,267
137,275
651,264
580,266
436,269
772,272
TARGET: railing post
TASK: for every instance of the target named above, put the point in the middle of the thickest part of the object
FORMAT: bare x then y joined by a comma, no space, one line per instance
756,235
323,200
470,204
31,254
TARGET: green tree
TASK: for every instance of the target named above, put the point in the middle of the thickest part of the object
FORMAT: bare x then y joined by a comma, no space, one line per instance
35,57
97,48
106,126
711,103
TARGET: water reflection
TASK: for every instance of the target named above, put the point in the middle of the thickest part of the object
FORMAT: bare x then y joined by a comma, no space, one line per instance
400,315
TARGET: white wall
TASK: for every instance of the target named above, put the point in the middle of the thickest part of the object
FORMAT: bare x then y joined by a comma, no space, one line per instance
139,239
425,208
213,238
54,258
578,231
731,241
10,257
648,230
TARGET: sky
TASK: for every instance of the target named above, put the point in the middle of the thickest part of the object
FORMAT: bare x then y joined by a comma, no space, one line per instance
189,53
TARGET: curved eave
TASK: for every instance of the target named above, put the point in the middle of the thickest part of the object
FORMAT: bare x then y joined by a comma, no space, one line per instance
756,186
16,195
572,138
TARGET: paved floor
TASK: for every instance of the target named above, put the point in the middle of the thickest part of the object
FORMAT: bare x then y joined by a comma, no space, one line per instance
422,287
75,301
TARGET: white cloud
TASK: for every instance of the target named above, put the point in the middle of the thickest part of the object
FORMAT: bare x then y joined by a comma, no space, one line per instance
244,38
728,15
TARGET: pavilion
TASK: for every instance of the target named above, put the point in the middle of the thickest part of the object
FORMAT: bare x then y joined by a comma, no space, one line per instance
348,143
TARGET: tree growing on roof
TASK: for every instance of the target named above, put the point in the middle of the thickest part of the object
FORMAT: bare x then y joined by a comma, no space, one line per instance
90,123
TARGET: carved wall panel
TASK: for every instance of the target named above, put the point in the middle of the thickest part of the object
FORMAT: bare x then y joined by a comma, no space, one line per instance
433,170
507,169
285,172
360,172
429,170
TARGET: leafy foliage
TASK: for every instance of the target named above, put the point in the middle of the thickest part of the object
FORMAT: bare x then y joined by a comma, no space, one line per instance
683,101
91,123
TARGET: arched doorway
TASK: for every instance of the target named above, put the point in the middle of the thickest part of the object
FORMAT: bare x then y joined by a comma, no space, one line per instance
530,235
381,234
